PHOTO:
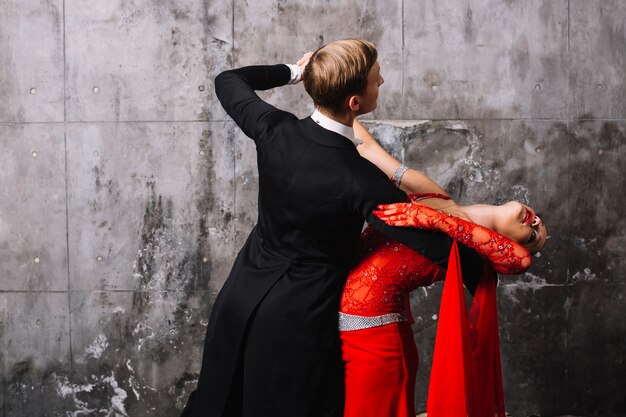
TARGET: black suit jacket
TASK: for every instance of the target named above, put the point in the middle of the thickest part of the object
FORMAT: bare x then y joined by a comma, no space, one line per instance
272,341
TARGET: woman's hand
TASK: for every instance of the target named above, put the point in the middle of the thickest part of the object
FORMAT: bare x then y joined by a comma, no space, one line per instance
408,215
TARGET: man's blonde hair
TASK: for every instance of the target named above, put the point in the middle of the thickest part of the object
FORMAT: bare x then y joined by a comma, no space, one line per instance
337,71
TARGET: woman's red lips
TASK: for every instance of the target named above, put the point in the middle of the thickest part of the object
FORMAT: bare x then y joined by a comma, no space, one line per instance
528,217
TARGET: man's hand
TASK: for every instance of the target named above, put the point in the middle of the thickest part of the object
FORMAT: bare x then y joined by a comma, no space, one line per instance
303,61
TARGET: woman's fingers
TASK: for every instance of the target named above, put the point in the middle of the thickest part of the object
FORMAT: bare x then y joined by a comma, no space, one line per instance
386,207
390,212
390,218
398,214
393,208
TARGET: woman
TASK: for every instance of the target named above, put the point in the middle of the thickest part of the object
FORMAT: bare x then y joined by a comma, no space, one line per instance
377,341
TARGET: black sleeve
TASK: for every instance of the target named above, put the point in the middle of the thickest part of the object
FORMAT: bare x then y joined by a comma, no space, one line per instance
434,245
235,91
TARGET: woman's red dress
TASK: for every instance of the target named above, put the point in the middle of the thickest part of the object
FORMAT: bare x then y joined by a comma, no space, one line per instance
381,361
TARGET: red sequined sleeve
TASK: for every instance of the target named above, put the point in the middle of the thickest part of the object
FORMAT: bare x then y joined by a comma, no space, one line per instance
504,255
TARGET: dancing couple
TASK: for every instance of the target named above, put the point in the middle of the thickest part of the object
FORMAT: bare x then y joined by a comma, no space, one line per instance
273,346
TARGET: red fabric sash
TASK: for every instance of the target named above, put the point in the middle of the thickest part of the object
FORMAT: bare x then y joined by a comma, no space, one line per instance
466,376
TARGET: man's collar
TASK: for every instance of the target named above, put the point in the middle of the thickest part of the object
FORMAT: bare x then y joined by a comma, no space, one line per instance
334,126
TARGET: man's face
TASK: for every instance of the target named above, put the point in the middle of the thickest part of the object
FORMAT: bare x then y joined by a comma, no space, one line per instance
369,99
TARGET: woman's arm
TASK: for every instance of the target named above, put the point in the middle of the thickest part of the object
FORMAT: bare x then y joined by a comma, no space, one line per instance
413,182
503,254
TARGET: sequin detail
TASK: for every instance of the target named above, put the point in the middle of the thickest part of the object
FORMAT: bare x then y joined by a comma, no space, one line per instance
386,273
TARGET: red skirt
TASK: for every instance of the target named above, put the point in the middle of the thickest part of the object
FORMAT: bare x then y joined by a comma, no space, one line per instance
381,367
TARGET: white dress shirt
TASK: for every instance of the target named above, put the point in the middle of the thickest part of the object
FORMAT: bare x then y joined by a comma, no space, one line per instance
334,126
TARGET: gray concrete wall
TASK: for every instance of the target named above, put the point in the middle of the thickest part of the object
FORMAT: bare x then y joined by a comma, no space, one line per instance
126,191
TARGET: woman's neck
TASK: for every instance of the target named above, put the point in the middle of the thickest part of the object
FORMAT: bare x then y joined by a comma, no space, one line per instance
482,214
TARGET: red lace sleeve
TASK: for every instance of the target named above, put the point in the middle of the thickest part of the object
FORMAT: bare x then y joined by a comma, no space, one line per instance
504,255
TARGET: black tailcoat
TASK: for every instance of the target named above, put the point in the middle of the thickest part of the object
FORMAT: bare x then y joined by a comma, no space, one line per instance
272,344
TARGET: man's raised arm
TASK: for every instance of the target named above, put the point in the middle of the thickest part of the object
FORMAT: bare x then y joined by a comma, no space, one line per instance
235,89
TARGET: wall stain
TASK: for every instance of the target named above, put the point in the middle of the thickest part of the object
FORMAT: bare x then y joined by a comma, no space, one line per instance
597,167
470,30
206,206
452,152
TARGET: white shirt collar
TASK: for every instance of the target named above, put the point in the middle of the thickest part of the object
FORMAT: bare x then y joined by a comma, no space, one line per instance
334,126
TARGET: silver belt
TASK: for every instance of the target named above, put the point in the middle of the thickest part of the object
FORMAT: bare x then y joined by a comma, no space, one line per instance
348,322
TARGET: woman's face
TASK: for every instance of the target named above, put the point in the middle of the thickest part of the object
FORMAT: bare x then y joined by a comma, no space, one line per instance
521,223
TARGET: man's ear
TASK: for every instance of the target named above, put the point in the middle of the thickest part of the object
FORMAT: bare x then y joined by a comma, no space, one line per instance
354,104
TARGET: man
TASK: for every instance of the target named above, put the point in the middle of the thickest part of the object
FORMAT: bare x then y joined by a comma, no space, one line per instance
272,345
